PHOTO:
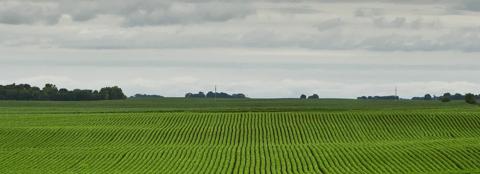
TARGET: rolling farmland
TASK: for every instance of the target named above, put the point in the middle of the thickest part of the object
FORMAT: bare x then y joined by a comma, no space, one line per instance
239,136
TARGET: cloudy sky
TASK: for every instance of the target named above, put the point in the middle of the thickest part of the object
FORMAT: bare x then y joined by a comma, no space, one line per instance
336,48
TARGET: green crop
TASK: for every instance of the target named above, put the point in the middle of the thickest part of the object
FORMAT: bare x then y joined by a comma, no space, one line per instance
239,136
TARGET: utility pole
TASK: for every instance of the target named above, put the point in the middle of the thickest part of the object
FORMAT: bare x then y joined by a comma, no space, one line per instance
215,96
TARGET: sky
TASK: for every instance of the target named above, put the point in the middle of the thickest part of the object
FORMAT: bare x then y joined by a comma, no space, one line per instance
263,48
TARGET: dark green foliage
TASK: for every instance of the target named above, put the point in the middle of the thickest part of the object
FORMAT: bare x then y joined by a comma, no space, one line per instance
303,96
19,92
224,95
391,97
446,97
239,95
428,97
145,96
457,96
51,92
215,95
112,93
191,95
314,96
470,98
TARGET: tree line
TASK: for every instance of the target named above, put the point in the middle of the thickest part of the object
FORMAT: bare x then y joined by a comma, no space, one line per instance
51,92
314,96
145,96
211,94
389,97
446,97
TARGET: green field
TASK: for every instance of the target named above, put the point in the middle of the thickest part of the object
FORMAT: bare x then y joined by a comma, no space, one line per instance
239,136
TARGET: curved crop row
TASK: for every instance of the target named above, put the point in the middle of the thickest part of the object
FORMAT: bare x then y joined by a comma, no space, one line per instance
268,142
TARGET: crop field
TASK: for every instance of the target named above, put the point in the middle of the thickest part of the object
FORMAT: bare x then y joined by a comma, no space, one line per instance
239,136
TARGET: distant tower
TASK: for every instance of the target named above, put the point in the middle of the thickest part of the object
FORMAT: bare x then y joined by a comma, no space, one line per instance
215,96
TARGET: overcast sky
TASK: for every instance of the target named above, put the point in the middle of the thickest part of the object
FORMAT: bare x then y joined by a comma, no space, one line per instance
335,48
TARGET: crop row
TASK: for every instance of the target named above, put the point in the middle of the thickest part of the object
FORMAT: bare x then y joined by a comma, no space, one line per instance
247,159
236,129
270,142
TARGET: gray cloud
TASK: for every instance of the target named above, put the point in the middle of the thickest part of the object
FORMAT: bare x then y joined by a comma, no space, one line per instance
472,5
389,25
265,48
19,12
330,24
402,22
188,13
153,12
256,72
368,12
144,12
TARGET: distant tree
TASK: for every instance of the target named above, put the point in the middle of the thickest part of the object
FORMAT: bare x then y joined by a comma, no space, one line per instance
446,97
145,96
36,92
2,92
391,97
428,97
49,92
314,96
64,95
96,95
80,94
211,94
457,96
112,93
199,95
117,93
222,95
23,92
303,96
362,98
239,95
105,93
470,98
